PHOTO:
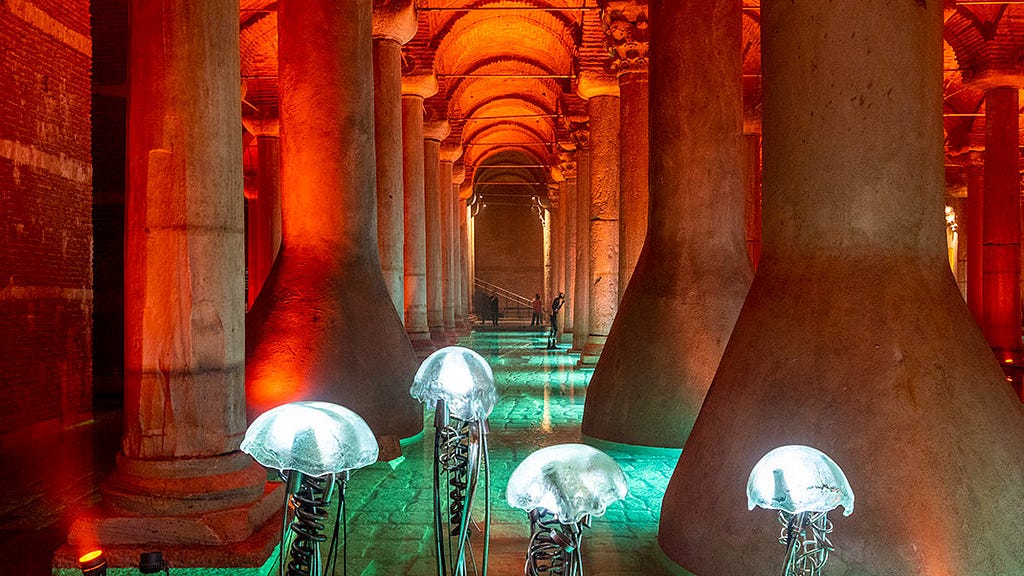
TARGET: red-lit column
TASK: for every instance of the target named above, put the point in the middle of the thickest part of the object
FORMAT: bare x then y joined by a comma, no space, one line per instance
1001,225
179,471
449,154
568,195
973,165
433,134
752,186
693,273
393,25
557,244
853,339
602,94
265,208
327,328
415,88
581,302
626,32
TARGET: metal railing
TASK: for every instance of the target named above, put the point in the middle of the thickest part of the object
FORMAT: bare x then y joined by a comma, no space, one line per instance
511,306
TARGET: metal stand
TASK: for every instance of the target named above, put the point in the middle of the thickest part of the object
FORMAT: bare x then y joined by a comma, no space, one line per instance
554,546
460,453
805,536
309,498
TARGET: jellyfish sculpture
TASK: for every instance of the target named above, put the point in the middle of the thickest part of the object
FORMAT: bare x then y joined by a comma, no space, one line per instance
563,487
460,385
804,485
314,446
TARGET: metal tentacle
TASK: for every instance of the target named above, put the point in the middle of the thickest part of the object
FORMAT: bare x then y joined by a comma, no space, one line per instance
805,536
554,546
310,504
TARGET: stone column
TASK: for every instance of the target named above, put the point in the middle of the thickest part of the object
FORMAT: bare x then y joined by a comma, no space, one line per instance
394,24
470,244
461,261
179,475
557,244
602,94
693,274
854,338
265,207
752,194
414,90
973,164
626,37
581,304
328,329
1000,231
433,134
568,203
549,281
449,154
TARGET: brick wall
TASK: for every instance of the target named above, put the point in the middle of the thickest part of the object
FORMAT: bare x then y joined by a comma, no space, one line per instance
510,248
45,216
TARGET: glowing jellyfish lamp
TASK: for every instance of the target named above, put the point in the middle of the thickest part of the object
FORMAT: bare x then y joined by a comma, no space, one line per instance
313,445
563,487
804,485
459,383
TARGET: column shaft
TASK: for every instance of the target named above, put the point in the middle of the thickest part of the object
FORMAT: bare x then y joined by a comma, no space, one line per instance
752,187
415,252
581,303
635,160
447,250
568,203
387,113
432,220
264,213
975,214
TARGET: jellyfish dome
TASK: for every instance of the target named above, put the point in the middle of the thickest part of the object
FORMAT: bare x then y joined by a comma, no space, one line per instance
315,438
460,377
569,480
798,479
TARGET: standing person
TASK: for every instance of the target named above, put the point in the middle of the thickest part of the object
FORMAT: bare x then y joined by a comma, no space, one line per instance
556,305
538,311
494,308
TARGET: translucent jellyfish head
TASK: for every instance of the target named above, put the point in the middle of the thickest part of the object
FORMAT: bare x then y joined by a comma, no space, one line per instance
315,438
569,480
460,377
798,479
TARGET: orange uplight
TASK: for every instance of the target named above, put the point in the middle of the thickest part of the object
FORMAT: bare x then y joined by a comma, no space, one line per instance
1008,360
90,556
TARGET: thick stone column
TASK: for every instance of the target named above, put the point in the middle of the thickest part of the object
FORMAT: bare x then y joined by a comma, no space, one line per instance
568,203
414,90
973,165
1000,231
461,252
627,34
265,207
693,274
549,280
449,154
394,24
752,194
179,476
854,338
603,100
327,328
433,134
581,302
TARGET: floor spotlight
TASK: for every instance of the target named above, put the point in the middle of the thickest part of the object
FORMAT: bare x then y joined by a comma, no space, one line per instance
93,563
804,485
152,563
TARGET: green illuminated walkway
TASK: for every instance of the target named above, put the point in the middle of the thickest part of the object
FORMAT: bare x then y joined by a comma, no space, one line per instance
542,395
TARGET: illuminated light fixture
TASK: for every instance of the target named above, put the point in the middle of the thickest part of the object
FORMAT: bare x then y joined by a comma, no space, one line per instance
152,563
459,383
93,563
563,487
314,446
804,485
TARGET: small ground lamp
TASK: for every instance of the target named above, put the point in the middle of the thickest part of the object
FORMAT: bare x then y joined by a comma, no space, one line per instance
459,383
804,485
562,487
93,563
313,445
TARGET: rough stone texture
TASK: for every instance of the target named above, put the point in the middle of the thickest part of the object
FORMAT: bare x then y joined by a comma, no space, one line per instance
509,248
46,230
752,194
693,273
634,154
581,304
387,110
264,235
432,219
854,338
415,249
446,199
316,333
974,170
568,196
604,224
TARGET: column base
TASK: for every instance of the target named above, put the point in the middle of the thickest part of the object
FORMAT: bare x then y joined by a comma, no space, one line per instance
438,337
591,352
422,345
565,338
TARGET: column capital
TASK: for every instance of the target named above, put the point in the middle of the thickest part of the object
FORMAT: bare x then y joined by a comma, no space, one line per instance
627,34
458,173
394,20
581,134
451,152
568,166
422,85
262,127
593,83
438,130
972,159
985,80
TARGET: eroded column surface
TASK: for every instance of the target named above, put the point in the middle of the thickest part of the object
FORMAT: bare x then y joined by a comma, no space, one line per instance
581,302
568,195
854,339
448,156
1000,231
414,90
693,274
603,102
461,264
433,133
325,327
393,26
752,194
265,207
179,476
